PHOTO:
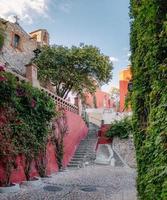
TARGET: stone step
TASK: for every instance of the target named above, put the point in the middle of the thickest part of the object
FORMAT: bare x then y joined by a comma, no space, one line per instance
84,149
81,152
86,144
74,165
76,160
78,155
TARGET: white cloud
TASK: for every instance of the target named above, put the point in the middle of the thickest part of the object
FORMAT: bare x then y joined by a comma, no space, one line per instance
24,9
114,59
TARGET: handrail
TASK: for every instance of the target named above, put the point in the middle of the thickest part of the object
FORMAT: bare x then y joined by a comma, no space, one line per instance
60,102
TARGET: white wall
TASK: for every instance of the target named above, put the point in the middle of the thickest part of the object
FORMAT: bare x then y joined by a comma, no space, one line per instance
107,115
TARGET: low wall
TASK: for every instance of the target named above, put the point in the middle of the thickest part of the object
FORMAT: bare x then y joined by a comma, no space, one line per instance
77,130
107,115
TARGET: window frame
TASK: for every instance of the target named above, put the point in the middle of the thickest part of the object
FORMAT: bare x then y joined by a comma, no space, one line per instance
18,47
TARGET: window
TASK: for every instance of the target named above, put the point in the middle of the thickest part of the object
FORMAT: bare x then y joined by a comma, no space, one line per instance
16,41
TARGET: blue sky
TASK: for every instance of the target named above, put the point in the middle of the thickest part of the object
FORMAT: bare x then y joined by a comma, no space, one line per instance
103,23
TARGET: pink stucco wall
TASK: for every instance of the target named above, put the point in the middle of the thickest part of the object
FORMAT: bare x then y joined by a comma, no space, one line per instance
77,130
102,99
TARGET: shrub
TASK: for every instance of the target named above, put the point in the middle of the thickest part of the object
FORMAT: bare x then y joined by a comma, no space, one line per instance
120,129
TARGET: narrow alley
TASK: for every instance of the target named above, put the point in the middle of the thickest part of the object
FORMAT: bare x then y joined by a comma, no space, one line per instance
83,179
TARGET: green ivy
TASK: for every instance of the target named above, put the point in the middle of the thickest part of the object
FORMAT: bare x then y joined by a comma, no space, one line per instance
33,112
149,96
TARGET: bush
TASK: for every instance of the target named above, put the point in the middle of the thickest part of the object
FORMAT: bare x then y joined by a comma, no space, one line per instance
121,129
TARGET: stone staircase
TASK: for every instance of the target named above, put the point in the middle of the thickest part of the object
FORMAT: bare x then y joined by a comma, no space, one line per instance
85,154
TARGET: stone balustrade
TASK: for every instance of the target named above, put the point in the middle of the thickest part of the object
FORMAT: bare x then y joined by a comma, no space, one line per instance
31,76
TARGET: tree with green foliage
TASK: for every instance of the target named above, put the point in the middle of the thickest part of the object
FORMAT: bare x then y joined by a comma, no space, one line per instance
76,69
149,95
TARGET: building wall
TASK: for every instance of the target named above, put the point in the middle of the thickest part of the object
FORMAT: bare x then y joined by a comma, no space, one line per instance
102,100
77,130
16,58
124,78
41,36
123,92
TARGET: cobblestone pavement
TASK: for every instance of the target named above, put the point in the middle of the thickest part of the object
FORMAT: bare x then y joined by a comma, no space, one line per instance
92,182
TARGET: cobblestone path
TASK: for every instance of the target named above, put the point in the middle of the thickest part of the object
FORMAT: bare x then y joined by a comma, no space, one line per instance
89,182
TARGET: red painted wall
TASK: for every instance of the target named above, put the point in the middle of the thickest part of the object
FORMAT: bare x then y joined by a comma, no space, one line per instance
124,77
102,100
102,139
77,130
123,92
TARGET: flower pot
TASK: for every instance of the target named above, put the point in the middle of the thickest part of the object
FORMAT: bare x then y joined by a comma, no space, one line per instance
13,187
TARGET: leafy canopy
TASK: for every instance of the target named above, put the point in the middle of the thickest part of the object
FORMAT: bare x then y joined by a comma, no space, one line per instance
77,69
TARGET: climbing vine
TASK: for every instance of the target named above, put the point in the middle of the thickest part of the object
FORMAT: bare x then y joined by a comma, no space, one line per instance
25,117
149,96
60,130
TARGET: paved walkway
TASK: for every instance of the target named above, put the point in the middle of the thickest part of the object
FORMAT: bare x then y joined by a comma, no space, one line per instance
90,182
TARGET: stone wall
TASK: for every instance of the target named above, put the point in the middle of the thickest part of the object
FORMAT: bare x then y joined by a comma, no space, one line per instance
16,58
125,148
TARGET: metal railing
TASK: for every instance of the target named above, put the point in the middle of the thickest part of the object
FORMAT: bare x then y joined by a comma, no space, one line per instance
60,102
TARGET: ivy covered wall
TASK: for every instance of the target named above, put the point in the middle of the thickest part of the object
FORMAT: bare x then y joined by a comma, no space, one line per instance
36,139
149,96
